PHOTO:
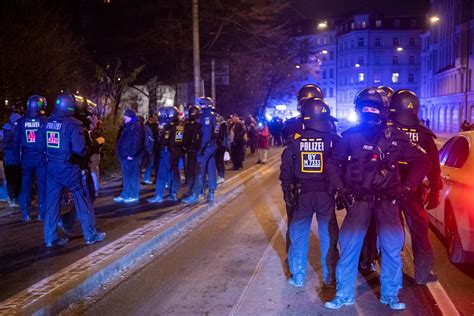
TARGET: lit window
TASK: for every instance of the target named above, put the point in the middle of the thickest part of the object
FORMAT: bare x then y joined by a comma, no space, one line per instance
107,1
360,77
411,78
378,23
363,24
395,77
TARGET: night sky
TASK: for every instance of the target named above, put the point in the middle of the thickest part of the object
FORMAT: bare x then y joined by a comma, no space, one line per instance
321,9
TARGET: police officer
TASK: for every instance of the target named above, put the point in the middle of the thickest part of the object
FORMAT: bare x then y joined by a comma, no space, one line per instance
295,124
176,145
166,115
305,184
192,145
30,135
403,115
369,252
367,157
206,156
64,142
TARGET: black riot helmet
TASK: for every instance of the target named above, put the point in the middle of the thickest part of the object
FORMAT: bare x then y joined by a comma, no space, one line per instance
309,91
167,114
194,112
36,106
388,91
65,105
404,107
316,115
369,106
206,103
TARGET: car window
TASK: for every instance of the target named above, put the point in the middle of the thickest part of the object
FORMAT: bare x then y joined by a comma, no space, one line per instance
444,151
458,153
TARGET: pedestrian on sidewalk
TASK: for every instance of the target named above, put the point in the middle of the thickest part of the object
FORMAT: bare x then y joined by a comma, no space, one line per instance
65,143
11,159
32,146
263,142
222,146
237,132
304,182
130,151
252,133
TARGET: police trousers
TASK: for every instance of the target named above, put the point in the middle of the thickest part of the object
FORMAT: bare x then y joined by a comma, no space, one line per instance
351,237
164,173
60,176
192,170
207,169
321,203
30,169
418,224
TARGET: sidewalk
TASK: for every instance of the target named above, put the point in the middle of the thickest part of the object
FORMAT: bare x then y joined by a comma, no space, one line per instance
24,259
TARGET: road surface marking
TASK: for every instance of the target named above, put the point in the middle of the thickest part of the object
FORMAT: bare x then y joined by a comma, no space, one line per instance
445,305
258,267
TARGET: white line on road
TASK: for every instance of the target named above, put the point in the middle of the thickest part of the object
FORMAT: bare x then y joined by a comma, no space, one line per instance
445,305
258,267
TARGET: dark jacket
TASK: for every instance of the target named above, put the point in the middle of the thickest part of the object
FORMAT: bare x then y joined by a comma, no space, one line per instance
192,136
11,149
130,140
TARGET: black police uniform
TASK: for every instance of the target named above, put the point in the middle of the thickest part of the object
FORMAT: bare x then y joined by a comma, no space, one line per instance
64,141
368,156
176,144
413,208
304,166
291,127
192,145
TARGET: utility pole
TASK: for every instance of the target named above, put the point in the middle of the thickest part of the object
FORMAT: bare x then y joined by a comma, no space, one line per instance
196,55
213,80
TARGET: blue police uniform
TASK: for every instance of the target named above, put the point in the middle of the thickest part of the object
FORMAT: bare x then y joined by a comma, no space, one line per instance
64,142
371,174
32,139
303,165
206,157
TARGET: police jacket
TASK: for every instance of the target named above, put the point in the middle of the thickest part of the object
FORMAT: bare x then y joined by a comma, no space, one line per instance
30,134
176,136
425,138
192,136
209,128
366,161
64,139
292,126
304,160
11,149
130,140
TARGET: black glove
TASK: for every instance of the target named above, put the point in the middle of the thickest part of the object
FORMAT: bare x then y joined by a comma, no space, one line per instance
345,199
432,200
289,197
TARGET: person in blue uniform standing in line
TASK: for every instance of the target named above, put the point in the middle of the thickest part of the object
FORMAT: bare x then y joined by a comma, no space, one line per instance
303,167
65,142
207,153
30,135
166,115
364,169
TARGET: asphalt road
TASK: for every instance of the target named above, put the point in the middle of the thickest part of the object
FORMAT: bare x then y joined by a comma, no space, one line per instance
234,263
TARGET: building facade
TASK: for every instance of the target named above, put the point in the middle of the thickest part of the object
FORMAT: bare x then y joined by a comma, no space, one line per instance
376,52
447,92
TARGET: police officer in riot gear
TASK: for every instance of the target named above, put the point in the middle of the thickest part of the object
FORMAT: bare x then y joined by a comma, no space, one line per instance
295,124
166,115
192,145
364,169
64,143
30,135
206,156
176,145
403,115
305,185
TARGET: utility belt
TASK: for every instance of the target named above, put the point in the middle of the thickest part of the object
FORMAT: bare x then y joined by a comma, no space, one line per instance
315,186
372,198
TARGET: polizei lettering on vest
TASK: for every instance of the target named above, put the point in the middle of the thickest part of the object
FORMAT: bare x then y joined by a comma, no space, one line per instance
311,146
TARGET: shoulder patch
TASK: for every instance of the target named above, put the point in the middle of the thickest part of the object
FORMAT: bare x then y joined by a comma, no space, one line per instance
296,136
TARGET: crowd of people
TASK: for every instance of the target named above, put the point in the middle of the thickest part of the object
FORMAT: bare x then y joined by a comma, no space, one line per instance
375,171
61,155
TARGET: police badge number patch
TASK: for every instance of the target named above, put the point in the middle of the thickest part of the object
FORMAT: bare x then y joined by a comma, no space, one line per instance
53,139
30,135
311,162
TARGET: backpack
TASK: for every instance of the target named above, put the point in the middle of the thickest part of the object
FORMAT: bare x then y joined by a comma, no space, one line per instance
149,140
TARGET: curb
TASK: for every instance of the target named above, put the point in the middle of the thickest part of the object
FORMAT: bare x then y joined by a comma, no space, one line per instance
57,291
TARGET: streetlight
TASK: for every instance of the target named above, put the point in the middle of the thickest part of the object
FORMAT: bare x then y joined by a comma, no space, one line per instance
357,65
322,25
324,52
434,19
399,49
298,66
